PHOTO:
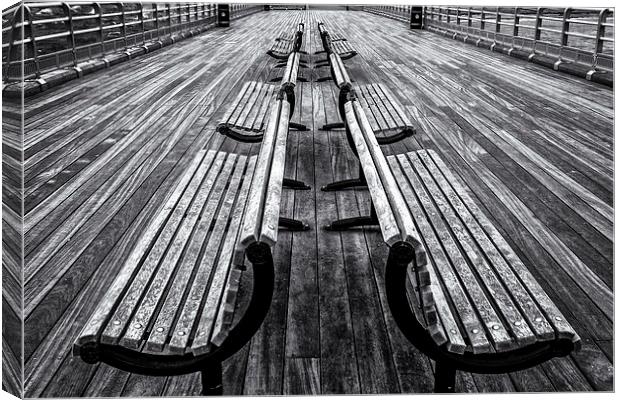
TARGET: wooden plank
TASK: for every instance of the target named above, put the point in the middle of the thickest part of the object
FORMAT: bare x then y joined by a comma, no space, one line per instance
339,374
304,377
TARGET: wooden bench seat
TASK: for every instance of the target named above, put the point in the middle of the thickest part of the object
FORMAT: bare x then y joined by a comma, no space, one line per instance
338,44
481,309
170,309
284,45
178,252
344,49
246,118
488,301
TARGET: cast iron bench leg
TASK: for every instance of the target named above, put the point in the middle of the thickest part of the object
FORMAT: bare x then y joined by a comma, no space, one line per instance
293,224
294,184
298,126
332,125
445,378
211,378
346,223
344,184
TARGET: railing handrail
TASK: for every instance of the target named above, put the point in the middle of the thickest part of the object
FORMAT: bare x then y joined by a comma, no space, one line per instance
536,25
101,24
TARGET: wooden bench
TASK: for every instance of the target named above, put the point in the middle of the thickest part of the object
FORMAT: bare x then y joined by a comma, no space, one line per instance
475,306
338,45
170,309
387,118
246,118
284,46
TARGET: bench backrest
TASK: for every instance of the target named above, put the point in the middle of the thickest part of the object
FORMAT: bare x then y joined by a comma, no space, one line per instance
260,223
395,219
290,72
339,72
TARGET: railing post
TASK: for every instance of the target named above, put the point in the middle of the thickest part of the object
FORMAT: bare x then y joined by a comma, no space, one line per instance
18,11
71,32
515,23
482,22
469,17
142,22
565,26
157,19
538,23
124,27
169,20
498,20
600,31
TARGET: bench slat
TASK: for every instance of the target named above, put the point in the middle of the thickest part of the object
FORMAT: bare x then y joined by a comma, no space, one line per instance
252,103
379,115
269,228
384,112
243,104
486,277
373,121
195,306
237,103
190,228
200,342
527,306
269,98
123,312
226,311
395,105
98,320
554,316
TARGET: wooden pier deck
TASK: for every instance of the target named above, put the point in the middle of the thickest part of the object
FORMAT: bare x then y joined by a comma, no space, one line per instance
534,147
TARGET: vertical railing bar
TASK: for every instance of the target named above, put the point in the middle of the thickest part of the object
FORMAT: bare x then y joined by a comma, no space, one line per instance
142,22
18,11
157,20
564,34
169,20
33,41
71,32
600,33
124,27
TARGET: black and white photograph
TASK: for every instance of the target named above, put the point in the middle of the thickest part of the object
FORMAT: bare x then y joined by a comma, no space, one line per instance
252,199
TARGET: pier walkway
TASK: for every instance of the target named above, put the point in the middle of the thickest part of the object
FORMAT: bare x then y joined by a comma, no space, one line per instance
533,146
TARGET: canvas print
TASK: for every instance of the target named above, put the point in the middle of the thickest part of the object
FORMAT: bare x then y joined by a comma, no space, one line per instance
204,199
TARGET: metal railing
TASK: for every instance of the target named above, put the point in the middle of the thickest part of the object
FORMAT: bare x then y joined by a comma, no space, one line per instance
242,10
584,36
49,36
396,12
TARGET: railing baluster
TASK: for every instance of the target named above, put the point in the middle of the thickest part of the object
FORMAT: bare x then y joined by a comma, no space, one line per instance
33,41
67,9
600,32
